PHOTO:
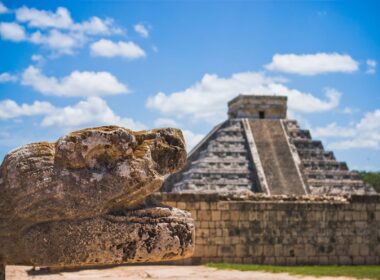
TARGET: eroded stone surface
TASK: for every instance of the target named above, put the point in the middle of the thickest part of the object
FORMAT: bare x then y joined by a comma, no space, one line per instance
56,199
146,235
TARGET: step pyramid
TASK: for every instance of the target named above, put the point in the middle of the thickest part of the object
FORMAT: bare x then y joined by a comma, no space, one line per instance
259,149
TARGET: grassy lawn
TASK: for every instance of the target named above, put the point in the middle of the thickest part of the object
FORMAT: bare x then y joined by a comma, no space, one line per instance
363,271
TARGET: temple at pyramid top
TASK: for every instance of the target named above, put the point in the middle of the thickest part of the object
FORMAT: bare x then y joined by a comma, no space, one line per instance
258,107
259,149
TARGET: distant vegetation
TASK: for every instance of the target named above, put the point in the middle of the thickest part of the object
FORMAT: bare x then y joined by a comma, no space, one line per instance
359,271
372,178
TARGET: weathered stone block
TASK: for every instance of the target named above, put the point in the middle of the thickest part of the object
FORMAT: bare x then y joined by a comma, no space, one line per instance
204,224
344,260
278,250
182,205
82,200
216,215
204,205
204,215
268,250
225,215
363,250
223,205
235,215
252,216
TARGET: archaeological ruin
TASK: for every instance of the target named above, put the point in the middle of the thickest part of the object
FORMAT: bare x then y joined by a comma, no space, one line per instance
83,200
259,190
257,148
262,191
281,229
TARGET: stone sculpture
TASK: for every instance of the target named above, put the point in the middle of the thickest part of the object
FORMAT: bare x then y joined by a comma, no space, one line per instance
82,200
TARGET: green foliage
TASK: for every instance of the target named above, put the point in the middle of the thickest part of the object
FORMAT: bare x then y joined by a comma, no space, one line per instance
372,178
360,271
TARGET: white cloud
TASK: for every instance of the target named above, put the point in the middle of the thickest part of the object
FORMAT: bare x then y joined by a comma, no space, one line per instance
78,83
313,64
98,26
6,77
10,109
3,9
91,112
349,110
306,102
191,139
141,30
37,57
12,31
371,66
43,19
57,41
61,19
56,30
61,43
108,48
363,134
333,130
207,99
165,122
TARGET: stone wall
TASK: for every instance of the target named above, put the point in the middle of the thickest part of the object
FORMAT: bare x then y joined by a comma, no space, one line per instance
258,106
282,230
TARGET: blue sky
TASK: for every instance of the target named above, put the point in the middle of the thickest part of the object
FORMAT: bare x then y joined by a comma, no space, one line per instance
66,65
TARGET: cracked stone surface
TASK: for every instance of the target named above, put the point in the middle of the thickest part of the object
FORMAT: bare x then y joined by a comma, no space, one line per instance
82,200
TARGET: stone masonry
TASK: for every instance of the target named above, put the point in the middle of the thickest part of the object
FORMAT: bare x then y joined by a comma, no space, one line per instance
322,172
259,149
282,230
224,163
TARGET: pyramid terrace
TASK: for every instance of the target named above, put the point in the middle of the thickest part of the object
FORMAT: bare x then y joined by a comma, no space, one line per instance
259,149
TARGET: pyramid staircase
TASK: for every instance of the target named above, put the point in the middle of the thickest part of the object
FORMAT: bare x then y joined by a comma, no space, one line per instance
259,149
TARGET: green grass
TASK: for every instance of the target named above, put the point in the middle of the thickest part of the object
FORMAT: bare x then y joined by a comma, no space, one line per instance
362,271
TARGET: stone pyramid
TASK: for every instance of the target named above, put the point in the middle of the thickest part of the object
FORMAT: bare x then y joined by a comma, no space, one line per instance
259,149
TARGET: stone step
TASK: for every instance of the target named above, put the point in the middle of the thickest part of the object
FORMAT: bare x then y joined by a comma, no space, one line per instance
223,154
210,171
323,161
204,185
278,164
331,174
227,148
223,161
230,130
220,182
319,154
218,160
334,183
307,144
300,134
291,124
226,145
220,166
210,187
324,165
228,140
